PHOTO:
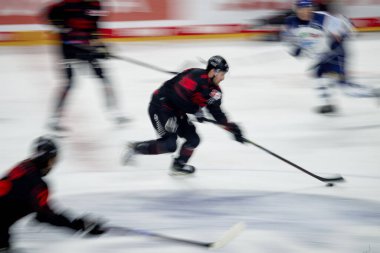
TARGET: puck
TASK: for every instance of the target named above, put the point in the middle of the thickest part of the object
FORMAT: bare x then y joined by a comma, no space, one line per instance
329,184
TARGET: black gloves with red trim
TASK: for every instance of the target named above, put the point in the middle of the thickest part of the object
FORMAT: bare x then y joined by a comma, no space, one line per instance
235,130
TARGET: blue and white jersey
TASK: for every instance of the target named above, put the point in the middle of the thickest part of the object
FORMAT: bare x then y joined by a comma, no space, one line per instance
323,34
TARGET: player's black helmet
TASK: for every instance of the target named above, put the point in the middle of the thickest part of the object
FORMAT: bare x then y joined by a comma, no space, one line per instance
45,147
217,62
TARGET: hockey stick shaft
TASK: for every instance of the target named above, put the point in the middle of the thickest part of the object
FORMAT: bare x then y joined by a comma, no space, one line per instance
143,64
323,179
221,242
124,230
339,178
126,59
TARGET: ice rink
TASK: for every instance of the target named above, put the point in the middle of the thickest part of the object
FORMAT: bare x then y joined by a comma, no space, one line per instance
267,92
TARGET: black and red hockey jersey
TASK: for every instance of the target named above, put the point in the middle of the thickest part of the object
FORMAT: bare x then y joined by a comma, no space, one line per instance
77,20
23,191
190,91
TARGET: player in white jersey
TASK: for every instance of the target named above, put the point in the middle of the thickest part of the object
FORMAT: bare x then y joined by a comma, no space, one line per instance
321,37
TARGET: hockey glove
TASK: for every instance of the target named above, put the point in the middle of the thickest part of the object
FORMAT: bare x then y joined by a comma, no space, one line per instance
236,131
88,226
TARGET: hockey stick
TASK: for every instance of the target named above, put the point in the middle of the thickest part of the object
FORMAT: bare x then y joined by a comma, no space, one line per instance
143,64
126,59
229,235
323,179
201,60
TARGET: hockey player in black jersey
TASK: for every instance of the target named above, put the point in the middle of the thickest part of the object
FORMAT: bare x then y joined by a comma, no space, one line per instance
80,40
186,93
23,191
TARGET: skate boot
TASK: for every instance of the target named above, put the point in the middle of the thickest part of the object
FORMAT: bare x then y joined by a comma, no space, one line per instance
54,124
325,109
121,120
118,117
180,168
129,153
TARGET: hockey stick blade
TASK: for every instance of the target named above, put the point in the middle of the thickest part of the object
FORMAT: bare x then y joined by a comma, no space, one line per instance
337,178
228,236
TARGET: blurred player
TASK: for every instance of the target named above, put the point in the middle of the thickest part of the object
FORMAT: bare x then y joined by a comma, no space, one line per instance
276,21
186,93
23,191
321,36
77,23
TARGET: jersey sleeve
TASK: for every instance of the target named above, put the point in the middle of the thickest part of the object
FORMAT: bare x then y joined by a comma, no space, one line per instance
39,200
338,26
289,36
214,107
218,114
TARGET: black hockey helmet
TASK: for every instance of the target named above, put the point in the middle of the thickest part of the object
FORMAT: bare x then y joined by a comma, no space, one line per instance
218,63
44,147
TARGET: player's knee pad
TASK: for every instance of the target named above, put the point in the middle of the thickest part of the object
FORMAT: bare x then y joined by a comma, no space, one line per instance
171,143
193,141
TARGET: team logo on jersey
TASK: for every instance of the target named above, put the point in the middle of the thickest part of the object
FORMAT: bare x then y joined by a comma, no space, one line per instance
215,95
309,35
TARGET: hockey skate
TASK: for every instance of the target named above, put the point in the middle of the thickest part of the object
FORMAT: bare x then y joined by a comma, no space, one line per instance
180,168
121,120
54,124
118,117
129,153
326,109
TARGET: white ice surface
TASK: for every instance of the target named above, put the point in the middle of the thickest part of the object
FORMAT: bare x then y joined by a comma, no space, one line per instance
267,92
